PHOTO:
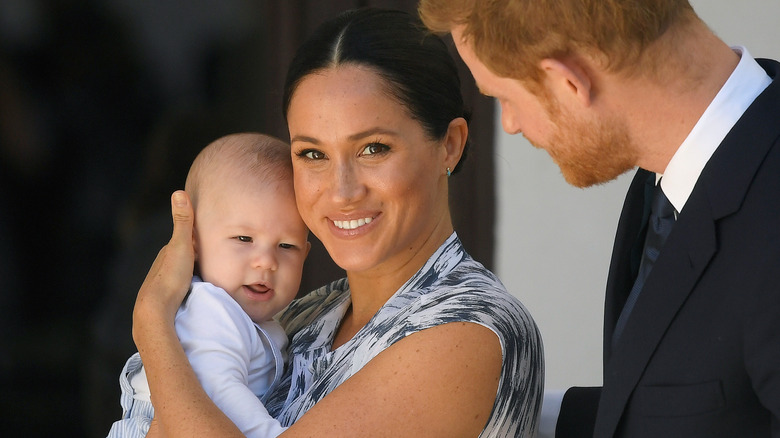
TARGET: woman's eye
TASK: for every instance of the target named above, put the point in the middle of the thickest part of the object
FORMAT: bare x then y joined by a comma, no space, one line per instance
245,239
375,148
311,154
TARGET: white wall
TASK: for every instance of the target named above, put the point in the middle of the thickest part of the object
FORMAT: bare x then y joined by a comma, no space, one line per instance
554,241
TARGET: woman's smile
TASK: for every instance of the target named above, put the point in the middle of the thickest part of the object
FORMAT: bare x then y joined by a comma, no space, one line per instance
352,224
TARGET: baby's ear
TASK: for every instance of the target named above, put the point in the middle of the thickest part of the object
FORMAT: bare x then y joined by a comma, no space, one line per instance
305,251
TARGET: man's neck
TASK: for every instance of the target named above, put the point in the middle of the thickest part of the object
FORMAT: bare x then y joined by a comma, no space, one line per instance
662,107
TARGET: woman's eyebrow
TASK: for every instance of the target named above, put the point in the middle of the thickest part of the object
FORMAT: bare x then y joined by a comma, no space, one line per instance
354,137
305,139
372,131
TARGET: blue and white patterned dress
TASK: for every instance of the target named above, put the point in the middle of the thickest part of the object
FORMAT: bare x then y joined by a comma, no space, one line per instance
450,287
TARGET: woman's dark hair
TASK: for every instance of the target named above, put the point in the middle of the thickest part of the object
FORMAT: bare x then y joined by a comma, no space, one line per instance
417,65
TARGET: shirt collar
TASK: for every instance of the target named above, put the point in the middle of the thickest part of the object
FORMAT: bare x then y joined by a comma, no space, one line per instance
746,82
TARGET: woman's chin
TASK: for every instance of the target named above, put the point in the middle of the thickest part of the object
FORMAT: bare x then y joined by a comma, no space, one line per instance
352,263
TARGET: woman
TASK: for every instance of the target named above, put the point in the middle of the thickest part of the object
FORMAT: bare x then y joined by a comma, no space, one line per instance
419,339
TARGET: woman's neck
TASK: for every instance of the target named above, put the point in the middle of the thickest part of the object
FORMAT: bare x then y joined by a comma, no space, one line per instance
371,289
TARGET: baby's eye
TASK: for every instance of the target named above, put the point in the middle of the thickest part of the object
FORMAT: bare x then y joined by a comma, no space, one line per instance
245,239
375,148
286,246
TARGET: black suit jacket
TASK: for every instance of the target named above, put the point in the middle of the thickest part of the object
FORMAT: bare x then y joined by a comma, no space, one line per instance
700,355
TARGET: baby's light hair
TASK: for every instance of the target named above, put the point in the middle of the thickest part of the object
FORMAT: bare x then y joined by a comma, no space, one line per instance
256,158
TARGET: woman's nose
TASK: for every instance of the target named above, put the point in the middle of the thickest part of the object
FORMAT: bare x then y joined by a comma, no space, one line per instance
347,184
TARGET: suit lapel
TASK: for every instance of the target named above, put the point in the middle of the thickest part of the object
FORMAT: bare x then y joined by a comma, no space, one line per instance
627,251
691,245
687,253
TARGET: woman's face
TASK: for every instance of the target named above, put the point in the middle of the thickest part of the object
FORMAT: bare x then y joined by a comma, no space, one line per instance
369,182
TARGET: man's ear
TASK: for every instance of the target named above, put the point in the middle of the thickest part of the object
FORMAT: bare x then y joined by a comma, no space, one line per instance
568,79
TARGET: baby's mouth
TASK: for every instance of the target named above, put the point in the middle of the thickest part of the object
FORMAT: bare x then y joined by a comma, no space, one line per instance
258,288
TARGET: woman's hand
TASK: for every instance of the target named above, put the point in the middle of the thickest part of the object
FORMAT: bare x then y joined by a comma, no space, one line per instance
169,278
181,407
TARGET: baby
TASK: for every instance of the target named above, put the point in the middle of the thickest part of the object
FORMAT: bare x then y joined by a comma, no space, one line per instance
250,245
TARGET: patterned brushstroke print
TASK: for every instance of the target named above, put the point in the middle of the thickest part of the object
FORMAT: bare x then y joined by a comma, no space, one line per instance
450,287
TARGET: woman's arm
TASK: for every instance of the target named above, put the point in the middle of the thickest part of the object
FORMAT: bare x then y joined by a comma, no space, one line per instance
181,406
439,382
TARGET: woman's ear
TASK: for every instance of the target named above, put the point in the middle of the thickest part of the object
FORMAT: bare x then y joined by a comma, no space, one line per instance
568,79
455,142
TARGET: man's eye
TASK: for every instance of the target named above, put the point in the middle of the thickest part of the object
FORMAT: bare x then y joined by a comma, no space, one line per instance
246,239
375,148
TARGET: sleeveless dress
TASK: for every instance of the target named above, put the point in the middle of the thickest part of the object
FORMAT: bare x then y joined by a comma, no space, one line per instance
450,287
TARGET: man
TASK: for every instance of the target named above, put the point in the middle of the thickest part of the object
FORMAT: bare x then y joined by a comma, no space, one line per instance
692,316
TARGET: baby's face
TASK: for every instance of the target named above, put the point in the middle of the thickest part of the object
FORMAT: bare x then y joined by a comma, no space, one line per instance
251,241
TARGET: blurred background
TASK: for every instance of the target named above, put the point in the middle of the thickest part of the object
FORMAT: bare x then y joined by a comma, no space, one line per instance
103,106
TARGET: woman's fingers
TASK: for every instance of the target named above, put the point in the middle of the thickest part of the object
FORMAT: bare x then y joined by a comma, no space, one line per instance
169,278
171,272
183,218
178,257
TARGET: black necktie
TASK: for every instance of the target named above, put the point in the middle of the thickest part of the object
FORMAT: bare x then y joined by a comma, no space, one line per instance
660,224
